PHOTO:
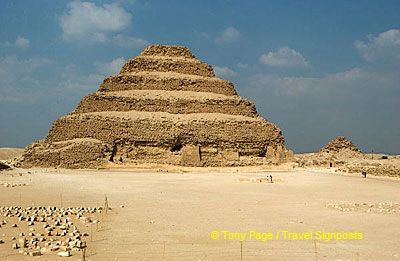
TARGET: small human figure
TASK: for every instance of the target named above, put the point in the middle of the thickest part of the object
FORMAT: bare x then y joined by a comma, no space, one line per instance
270,178
364,173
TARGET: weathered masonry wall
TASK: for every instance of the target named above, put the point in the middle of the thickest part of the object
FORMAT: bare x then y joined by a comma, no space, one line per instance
125,82
162,64
164,130
103,102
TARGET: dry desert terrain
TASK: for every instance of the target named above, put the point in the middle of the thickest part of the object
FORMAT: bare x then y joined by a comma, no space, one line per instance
169,215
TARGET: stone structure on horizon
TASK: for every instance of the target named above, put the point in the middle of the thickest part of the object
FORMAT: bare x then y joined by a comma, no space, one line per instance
165,106
339,144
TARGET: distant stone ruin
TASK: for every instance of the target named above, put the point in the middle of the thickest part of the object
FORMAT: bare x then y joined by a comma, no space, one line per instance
339,144
165,106
336,154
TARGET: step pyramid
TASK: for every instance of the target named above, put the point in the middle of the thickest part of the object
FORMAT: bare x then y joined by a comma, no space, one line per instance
339,144
165,106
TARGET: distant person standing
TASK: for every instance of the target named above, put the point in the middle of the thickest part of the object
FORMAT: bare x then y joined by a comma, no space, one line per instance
364,173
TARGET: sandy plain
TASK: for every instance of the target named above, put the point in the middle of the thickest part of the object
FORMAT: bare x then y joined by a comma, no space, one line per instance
169,213
8,153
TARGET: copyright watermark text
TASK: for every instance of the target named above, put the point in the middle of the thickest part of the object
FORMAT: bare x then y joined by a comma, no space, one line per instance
288,235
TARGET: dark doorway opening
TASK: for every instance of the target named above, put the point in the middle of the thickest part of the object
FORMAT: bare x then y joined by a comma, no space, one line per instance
114,152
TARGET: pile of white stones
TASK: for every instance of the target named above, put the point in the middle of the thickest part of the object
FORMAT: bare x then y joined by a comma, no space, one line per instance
11,185
386,207
51,229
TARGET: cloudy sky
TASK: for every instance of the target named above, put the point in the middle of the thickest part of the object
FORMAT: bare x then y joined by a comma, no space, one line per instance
318,69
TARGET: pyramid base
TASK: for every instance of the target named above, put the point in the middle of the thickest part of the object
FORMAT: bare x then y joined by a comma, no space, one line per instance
72,154
91,153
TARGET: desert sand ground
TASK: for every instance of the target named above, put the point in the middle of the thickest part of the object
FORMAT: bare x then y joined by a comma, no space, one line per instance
169,216
8,153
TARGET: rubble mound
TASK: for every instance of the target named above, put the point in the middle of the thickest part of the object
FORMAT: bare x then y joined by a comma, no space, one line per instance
165,107
339,144
337,153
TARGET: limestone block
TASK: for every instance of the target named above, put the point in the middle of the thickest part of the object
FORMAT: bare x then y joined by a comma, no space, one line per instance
191,155
289,155
277,154
270,152
64,254
230,155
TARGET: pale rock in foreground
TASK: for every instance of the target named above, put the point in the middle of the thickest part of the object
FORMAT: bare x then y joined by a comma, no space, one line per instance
64,254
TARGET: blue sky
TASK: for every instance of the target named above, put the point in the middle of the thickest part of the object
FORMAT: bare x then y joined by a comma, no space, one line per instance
318,69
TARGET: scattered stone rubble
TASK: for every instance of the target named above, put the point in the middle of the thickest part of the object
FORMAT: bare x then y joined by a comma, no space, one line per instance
12,185
165,106
386,207
40,230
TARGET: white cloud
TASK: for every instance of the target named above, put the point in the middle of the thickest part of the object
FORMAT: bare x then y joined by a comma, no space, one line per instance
83,84
203,35
224,72
242,65
129,41
16,77
110,68
5,44
229,35
359,102
385,46
354,80
22,42
284,57
12,68
87,21
72,79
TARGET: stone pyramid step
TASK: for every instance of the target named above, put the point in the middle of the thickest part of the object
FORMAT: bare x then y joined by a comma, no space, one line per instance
168,81
176,102
157,58
168,64
163,129
168,50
